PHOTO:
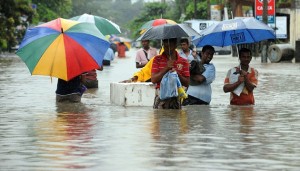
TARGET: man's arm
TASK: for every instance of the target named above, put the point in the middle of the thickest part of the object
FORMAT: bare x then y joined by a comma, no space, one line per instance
157,76
139,65
233,86
185,81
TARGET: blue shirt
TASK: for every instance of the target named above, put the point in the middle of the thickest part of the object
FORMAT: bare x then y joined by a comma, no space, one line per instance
109,55
203,91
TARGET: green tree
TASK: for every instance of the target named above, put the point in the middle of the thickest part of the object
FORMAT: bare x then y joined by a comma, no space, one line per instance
201,10
15,16
150,11
118,11
50,10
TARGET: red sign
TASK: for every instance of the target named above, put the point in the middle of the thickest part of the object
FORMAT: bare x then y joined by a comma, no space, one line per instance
259,7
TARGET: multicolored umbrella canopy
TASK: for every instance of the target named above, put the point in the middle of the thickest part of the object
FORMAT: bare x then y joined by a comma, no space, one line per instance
156,22
104,25
63,48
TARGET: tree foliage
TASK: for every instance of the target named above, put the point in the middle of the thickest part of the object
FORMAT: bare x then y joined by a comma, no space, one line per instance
50,10
130,17
13,13
200,13
150,11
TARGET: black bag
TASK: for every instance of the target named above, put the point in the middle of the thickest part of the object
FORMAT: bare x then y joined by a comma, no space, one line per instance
196,68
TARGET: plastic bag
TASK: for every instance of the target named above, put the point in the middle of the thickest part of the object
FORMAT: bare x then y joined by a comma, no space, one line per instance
234,77
168,86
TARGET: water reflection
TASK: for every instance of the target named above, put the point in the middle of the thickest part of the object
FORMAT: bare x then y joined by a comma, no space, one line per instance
38,134
245,115
67,136
167,123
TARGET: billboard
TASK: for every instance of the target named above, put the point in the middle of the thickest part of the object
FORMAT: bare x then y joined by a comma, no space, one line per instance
259,10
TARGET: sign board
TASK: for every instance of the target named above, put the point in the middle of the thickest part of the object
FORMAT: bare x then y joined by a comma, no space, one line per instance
215,12
259,10
203,26
200,25
281,27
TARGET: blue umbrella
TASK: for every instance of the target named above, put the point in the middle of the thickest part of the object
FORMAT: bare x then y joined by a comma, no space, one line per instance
233,32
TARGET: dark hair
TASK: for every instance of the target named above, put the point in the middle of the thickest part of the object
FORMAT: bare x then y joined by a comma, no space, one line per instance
184,40
207,47
242,50
171,40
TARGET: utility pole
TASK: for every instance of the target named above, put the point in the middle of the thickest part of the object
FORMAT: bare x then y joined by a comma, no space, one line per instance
265,43
265,11
208,9
195,9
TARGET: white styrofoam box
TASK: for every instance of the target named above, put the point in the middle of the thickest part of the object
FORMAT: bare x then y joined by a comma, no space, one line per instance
132,94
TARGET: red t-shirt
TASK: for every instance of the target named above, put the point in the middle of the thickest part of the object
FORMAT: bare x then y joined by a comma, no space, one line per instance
181,65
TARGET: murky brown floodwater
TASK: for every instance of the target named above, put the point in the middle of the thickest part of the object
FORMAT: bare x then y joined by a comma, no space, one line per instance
38,134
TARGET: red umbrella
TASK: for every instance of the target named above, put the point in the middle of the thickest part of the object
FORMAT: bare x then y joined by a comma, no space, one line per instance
156,22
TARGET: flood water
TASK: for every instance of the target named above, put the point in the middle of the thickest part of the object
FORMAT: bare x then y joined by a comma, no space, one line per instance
38,134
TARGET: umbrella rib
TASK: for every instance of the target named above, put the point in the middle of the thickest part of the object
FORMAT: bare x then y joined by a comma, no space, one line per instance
223,38
251,35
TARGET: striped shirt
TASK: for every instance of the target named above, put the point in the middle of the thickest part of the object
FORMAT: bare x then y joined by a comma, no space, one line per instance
181,65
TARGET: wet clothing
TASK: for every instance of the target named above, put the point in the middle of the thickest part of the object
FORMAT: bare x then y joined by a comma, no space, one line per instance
246,97
108,57
144,74
71,90
193,101
91,80
181,66
189,57
144,56
171,103
203,91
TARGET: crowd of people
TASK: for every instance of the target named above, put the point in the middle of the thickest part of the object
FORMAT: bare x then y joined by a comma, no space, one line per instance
194,71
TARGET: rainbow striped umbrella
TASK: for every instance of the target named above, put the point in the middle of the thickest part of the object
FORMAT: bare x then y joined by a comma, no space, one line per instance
155,22
63,48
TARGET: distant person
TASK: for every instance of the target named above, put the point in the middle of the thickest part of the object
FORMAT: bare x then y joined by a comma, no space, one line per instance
241,80
169,61
70,91
199,91
144,54
90,78
108,57
121,48
186,52
113,46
